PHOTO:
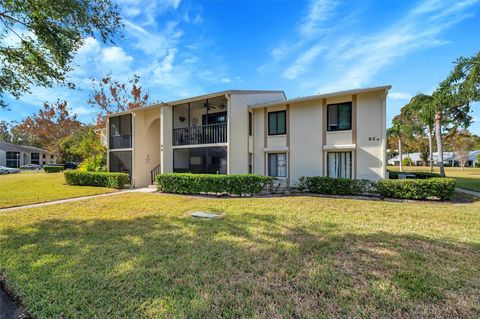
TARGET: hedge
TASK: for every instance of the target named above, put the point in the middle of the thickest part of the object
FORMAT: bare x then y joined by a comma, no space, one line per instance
104,179
442,188
334,186
188,183
418,175
52,168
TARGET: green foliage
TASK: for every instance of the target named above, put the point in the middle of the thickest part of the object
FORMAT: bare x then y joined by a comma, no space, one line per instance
407,161
418,175
46,36
334,186
84,143
187,183
52,168
92,164
104,179
442,188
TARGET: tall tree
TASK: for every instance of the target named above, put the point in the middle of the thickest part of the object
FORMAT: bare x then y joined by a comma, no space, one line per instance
38,39
110,96
5,135
423,105
49,126
463,146
396,131
81,144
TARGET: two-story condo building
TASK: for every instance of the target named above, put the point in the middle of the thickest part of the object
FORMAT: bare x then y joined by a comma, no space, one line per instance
340,134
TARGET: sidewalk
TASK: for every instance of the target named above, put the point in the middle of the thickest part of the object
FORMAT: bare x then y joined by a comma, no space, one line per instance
467,191
68,200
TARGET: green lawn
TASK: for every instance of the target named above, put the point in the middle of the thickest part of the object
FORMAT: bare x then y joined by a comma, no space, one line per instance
142,255
468,178
36,187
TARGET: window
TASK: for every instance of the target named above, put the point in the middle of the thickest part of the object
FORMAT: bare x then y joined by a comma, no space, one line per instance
120,131
121,162
339,164
277,165
277,123
13,159
205,160
215,118
35,158
339,117
250,123
43,156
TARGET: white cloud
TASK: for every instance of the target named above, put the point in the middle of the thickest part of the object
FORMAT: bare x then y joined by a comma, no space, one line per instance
319,11
363,57
301,64
225,80
400,96
81,110
115,56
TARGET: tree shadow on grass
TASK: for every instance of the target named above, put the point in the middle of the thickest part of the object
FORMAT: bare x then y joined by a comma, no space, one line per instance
251,265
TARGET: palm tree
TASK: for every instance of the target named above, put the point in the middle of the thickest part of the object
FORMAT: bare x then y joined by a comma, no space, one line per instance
396,131
424,107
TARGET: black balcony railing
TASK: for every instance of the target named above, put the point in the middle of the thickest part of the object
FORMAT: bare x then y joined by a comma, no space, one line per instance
205,134
120,141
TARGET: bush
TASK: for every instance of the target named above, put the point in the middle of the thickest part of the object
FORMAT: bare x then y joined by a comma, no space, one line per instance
418,175
187,183
104,179
335,186
442,188
52,168
93,163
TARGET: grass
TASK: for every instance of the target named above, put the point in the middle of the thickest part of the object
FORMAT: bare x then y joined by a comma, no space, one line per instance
141,255
36,187
468,178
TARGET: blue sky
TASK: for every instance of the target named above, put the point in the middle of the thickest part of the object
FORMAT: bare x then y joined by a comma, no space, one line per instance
182,48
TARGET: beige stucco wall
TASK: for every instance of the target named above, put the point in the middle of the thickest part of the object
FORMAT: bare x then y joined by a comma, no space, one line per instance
3,158
166,151
259,142
306,140
146,139
371,124
237,136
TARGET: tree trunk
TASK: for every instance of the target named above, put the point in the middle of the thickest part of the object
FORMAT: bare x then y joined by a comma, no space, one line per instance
400,153
438,135
430,148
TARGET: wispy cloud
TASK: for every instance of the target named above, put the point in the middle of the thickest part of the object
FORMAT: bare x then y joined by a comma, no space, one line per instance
318,12
300,65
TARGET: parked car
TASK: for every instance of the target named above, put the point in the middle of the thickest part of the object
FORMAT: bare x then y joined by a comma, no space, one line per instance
70,165
9,170
31,166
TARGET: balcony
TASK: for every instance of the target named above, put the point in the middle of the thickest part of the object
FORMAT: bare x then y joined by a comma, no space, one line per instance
203,134
120,141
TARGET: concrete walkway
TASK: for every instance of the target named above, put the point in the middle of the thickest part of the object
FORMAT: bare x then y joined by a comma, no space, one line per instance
68,200
467,191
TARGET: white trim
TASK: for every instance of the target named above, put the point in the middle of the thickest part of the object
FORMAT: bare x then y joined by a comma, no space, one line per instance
339,147
278,149
200,145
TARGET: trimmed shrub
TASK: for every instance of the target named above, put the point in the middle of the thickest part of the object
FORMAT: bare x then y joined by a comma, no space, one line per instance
104,179
418,175
335,186
52,168
442,188
187,183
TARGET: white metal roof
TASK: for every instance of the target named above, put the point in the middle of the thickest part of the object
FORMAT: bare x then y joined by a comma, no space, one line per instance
9,147
321,96
250,93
